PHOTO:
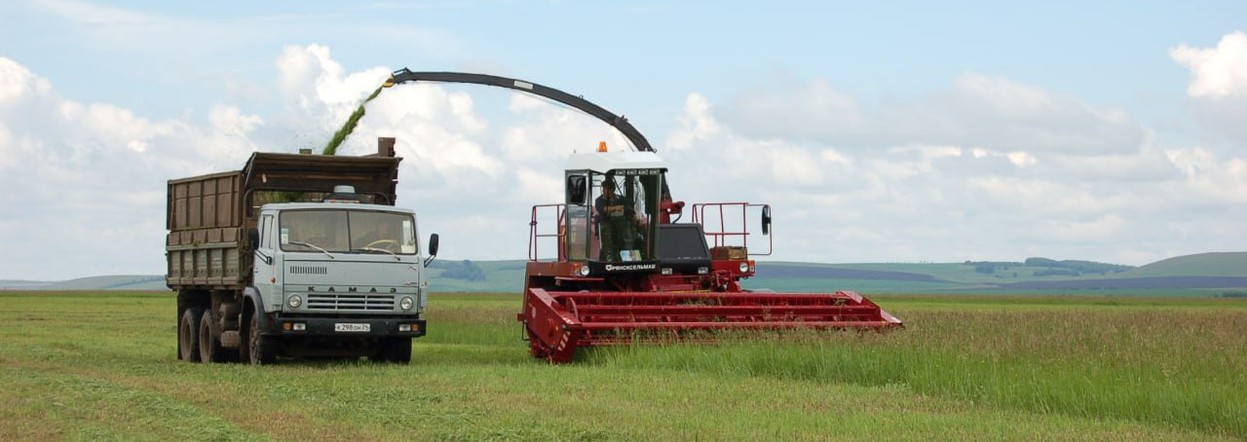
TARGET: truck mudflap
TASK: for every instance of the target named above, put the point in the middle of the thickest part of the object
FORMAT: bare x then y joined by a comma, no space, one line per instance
347,327
557,323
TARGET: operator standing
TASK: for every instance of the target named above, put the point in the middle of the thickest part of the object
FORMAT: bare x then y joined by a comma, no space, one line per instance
614,223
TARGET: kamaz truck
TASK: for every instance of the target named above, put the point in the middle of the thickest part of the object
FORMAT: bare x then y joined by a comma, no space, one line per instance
296,255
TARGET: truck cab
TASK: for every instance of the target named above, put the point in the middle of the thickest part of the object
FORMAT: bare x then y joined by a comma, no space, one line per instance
296,255
340,275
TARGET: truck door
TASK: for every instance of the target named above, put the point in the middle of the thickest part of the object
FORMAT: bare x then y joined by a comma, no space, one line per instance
266,260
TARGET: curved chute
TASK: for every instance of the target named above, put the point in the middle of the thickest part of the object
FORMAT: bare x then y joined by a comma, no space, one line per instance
619,122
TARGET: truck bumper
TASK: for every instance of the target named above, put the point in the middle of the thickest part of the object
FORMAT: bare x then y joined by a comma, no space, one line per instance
347,327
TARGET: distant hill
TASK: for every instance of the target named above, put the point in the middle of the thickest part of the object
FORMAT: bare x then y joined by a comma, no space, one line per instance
1208,274
1220,264
1205,274
113,282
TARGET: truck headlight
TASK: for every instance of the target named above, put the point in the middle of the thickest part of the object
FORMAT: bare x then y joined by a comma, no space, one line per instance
406,303
295,301
584,271
744,267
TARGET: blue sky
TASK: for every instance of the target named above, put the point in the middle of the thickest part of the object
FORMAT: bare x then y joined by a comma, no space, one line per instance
881,132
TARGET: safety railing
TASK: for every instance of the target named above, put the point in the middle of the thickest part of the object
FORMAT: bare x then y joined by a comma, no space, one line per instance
727,224
555,214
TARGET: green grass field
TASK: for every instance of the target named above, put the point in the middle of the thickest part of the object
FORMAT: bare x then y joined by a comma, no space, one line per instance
101,366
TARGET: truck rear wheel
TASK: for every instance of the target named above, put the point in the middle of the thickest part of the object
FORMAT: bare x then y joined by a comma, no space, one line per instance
188,334
260,349
210,349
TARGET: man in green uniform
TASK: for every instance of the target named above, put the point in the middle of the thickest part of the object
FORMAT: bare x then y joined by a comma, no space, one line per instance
614,221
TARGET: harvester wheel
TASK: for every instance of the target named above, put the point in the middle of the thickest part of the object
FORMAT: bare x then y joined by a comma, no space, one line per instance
188,334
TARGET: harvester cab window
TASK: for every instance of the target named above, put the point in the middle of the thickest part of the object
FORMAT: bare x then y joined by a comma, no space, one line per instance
623,216
578,234
576,190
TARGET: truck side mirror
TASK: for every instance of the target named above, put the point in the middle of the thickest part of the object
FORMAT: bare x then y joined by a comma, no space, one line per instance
253,237
766,220
433,241
576,190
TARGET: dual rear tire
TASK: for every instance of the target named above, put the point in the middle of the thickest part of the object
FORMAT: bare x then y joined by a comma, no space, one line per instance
199,340
188,334
210,349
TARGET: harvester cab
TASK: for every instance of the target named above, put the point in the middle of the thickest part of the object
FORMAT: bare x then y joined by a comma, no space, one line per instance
612,211
615,232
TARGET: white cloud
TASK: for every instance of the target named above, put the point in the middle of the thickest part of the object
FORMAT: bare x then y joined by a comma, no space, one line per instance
790,109
1212,180
18,83
697,124
989,190
991,112
1216,72
95,172
317,88
1218,89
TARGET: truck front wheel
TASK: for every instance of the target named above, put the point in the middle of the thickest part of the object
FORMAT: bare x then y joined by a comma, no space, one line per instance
396,350
260,349
188,334
400,350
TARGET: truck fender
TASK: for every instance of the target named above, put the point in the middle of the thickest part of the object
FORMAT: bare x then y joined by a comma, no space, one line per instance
251,302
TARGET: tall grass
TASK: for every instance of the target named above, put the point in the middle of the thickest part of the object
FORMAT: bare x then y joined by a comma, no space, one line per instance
1187,369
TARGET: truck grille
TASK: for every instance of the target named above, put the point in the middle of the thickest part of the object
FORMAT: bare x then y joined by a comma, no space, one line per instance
349,301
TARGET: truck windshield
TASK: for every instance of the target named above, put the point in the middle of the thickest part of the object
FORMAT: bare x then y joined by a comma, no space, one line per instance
347,231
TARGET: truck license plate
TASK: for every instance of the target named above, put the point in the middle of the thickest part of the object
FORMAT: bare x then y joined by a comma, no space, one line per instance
348,327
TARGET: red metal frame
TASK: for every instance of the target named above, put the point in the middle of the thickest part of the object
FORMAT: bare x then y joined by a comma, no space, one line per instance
560,322
564,311
534,236
720,238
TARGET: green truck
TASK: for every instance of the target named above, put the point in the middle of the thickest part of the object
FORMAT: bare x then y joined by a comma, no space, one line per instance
296,255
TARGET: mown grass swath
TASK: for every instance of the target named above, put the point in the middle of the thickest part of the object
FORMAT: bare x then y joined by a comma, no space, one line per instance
103,366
